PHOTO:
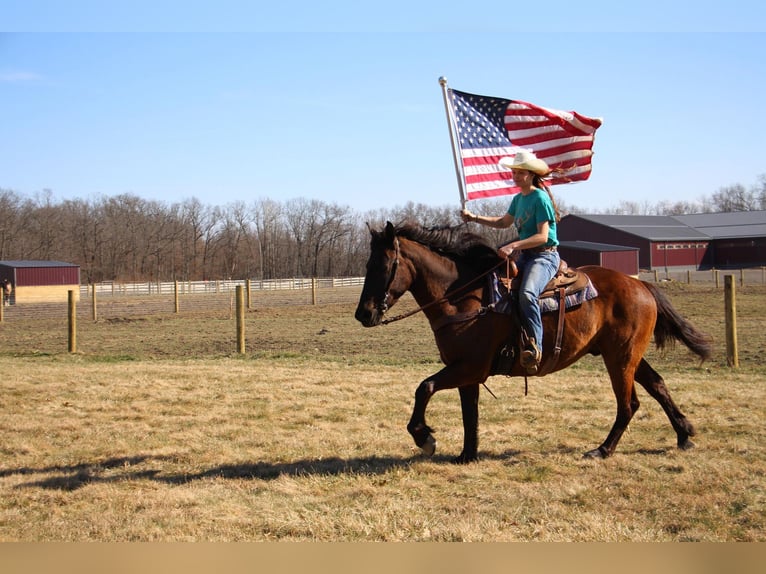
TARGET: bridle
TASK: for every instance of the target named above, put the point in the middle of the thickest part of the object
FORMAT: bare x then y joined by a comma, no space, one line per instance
383,306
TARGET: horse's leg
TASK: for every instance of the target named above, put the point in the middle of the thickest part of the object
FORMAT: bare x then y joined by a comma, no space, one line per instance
469,405
654,384
449,377
417,427
621,372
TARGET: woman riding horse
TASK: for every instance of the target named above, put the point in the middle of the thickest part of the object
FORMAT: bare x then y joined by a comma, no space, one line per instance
445,270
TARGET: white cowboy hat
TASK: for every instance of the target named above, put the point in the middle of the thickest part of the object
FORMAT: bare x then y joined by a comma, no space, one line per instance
525,159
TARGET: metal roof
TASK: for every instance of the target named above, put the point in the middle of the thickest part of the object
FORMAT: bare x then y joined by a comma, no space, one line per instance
650,227
694,227
594,246
730,225
31,263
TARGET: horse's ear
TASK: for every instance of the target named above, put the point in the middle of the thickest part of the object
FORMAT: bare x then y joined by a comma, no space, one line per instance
390,231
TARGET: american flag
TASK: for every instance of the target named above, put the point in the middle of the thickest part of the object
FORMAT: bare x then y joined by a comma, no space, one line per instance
492,128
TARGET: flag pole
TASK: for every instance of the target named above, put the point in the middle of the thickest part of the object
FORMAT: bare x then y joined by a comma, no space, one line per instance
451,124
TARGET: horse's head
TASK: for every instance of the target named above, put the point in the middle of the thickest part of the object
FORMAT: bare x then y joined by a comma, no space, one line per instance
383,285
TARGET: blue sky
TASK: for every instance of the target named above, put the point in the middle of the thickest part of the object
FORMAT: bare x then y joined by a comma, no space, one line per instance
343,105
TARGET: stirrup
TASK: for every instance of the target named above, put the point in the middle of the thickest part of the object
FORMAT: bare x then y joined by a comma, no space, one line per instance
530,357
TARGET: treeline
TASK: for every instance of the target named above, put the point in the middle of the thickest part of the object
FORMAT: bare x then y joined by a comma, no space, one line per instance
126,238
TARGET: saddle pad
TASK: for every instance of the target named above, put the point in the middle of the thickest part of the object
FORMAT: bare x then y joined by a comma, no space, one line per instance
501,301
551,303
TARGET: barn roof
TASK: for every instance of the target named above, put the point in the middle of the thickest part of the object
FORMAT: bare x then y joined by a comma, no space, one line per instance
702,226
594,246
651,227
31,263
728,225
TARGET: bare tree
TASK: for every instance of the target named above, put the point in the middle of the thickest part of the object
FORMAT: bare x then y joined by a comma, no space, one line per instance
11,232
760,191
232,238
267,218
300,216
331,225
84,238
196,224
43,227
735,198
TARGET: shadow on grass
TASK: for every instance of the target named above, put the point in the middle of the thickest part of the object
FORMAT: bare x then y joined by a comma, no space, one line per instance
121,469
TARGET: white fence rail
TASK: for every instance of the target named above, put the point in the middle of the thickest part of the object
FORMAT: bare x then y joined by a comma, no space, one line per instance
210,287
122,300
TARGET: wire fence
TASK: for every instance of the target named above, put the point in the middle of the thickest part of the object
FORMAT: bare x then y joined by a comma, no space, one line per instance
750,276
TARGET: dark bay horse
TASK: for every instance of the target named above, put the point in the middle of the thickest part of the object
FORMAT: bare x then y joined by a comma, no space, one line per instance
7,291
444,270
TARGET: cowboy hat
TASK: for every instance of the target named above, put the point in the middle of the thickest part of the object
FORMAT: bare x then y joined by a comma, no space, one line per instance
525,159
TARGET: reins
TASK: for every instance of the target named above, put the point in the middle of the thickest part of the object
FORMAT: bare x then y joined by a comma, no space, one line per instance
446,297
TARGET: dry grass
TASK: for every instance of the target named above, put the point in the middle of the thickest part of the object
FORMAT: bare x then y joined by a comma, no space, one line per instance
157,431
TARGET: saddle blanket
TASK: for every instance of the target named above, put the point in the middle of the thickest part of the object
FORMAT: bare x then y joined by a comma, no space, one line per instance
502,301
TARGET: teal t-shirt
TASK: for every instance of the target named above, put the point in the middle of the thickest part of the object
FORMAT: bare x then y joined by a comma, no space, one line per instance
530,210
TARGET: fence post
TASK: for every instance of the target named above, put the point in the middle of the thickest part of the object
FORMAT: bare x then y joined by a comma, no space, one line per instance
72,322
655,276
313,290
742,277
240,320
249,300
175,296
93,305
730,298
717,280
688,276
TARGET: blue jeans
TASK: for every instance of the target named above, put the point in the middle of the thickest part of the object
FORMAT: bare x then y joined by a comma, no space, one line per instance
536,269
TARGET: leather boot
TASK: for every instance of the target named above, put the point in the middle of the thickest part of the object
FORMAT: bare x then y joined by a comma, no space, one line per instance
530,357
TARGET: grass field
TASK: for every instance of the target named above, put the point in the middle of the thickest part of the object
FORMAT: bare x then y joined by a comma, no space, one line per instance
156,430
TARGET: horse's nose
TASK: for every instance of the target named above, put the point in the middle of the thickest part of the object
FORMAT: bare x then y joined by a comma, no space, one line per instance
366,315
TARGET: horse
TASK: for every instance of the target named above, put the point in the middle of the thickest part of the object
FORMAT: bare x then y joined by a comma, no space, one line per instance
443,269
7,290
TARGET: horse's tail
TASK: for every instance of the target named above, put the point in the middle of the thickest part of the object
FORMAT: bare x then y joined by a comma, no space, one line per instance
671,327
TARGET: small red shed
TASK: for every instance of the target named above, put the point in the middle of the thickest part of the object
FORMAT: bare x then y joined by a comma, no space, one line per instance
40,281
617,257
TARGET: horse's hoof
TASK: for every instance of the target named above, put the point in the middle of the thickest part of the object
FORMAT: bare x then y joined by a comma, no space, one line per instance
595,453
429,446
686,445
463,459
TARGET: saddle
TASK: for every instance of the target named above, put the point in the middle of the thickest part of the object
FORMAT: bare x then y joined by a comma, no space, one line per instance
568,287
571,280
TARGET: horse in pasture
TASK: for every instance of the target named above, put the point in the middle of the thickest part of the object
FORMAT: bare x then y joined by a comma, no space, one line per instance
7,290
445,270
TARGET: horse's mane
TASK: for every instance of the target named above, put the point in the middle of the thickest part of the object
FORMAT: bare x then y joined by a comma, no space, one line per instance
454,242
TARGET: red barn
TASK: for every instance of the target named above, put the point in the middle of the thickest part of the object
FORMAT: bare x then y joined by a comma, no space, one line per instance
698,241
617,257
41,281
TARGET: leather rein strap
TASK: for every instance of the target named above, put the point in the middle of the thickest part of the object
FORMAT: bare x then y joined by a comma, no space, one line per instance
447,319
